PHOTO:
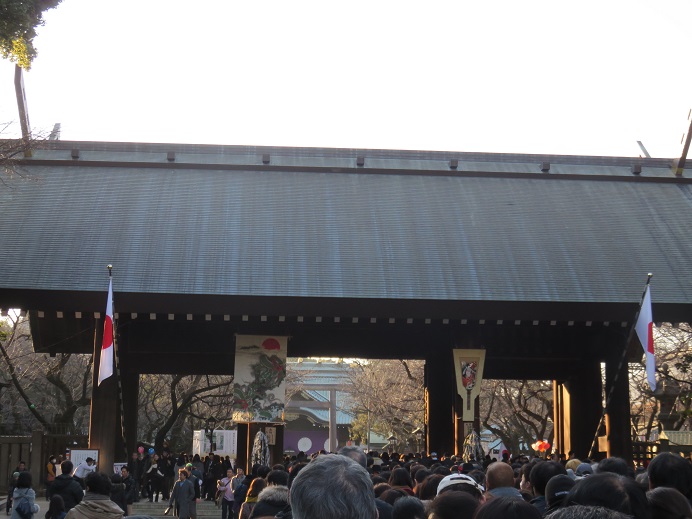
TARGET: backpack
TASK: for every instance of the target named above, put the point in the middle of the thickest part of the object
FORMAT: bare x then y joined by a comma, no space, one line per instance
24,509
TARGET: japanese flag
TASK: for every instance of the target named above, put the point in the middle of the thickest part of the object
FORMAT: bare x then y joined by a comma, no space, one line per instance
106,364
645,333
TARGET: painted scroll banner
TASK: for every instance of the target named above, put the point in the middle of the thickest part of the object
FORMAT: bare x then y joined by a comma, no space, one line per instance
259,392
468,365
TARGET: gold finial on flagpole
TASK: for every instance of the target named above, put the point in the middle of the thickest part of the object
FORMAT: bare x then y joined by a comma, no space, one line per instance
110,270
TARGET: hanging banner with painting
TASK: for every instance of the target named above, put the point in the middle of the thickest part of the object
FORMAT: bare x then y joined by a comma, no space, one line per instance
468,365
259,391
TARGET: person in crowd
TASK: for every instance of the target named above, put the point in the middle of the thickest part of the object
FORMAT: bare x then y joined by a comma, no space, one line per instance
669,470
11,483
508,508
198,464
401,479
333,486
380,487
135,467
83,469
419,476
118,493
240,493
23,496
21,467
556,490
499,481
256,486
611,491
237,479
194,477
155,478
525,480
668,503
166,468
216,470
56,508
616,466
277,478
96,503
586,512
270,501
225,488
383,509
453,505
67,487
461,483
427,489
583,470
183,496
51,471
408,507
540,475
130,489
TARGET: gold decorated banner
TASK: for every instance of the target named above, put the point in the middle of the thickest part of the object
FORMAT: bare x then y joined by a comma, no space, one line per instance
259,390
468,366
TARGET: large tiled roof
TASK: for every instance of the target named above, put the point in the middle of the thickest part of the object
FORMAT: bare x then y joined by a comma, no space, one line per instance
214,220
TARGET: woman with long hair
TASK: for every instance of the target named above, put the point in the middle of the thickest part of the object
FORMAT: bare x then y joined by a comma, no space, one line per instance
253,492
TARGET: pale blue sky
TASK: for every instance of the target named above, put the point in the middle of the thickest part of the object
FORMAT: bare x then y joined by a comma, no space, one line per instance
588,77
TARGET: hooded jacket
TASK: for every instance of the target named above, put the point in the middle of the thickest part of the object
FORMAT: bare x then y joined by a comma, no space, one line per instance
67,488
95,506
270,501
23,494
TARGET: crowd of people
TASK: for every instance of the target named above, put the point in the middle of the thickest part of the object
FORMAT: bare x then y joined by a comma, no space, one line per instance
354,485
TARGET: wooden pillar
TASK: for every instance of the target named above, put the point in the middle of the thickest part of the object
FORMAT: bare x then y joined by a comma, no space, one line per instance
462,428
561,423
618,418
130,389
440,385
244,447
577,410
104,423
333,441
37,460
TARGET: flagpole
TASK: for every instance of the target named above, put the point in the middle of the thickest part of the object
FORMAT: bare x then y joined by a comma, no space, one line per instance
116,371
620,364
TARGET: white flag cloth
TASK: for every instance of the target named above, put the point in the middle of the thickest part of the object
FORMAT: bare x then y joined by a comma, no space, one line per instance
645,333
106,364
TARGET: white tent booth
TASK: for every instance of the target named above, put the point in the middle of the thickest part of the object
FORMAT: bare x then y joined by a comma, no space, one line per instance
226,443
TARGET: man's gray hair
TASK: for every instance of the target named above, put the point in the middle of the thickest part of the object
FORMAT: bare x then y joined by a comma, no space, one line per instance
335,487
356,454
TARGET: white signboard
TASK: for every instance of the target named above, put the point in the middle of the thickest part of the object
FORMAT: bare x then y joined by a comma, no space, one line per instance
77,456
226,443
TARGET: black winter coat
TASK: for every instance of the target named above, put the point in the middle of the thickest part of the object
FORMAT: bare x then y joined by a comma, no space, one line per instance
69,489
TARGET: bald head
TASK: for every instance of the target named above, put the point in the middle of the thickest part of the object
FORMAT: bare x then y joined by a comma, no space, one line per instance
499,475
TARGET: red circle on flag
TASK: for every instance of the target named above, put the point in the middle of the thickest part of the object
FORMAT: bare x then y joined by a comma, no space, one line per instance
271,344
